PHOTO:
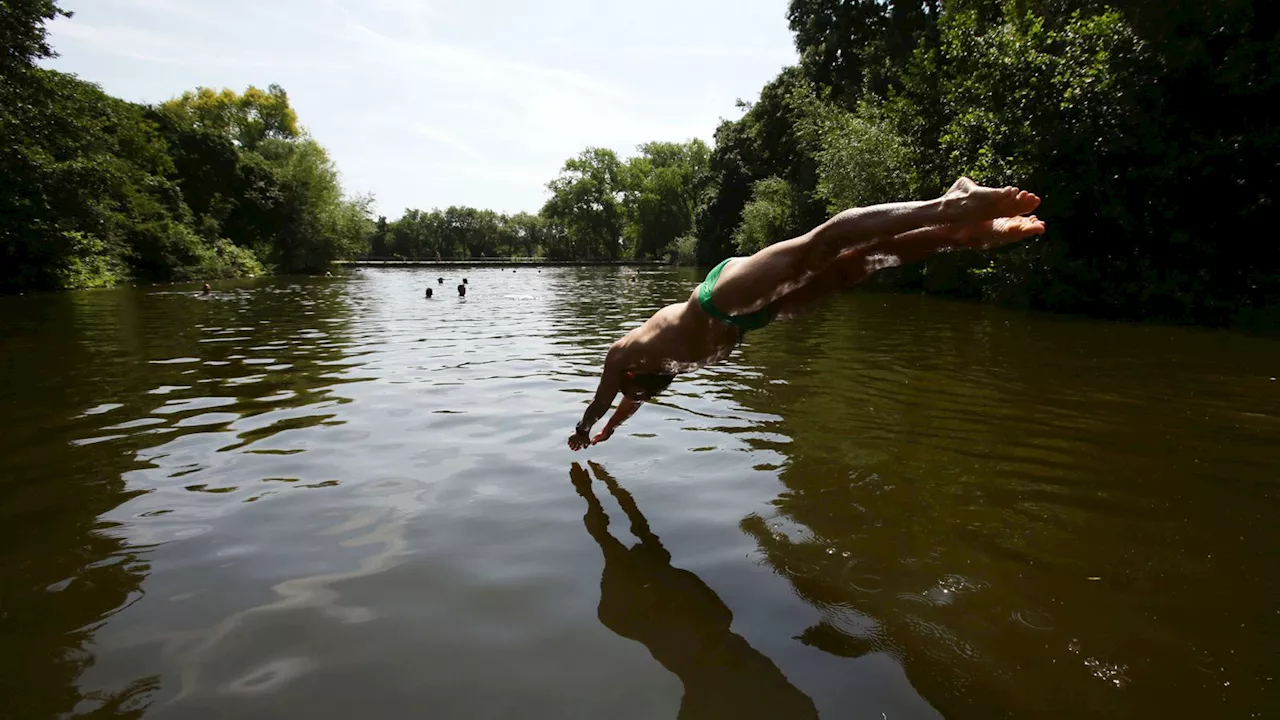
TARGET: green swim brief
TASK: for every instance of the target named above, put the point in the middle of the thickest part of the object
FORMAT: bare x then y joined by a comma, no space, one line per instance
752,321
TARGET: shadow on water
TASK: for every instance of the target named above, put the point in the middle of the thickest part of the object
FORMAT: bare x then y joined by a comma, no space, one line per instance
681,620
1036,518
99,391
65,570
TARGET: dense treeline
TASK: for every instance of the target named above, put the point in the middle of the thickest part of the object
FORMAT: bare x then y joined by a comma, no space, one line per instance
601,208
95,190
1147,127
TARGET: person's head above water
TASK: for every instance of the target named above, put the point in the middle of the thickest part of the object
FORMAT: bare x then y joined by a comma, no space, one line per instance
429,292
462,290
643,386
440,280
207,289
464,281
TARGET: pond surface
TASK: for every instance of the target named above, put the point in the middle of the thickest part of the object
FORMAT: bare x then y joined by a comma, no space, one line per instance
332,498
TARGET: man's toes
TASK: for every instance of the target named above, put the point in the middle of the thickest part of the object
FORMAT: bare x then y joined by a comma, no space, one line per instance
1023,202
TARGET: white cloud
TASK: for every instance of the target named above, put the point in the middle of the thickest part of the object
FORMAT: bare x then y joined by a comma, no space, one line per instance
449,101
446,139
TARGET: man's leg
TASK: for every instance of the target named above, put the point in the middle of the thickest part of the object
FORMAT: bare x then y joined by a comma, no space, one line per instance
856,265
749,284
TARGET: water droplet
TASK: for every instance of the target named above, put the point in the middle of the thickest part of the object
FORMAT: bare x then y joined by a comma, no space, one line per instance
831,551
846,553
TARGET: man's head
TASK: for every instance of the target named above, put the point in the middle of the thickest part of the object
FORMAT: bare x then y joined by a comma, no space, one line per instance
462,290
429,292
644,386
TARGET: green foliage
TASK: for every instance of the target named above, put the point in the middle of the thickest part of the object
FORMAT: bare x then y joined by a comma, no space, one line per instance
586,199
231,260
857,46
23,38
683,250
85,261
74,160
1069,120
248,118
767,141
767,218
663,184
318,224
1144,125
600,208
465,232
862,159
527,234
95,190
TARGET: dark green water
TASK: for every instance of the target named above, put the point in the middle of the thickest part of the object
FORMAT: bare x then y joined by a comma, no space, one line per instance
333,499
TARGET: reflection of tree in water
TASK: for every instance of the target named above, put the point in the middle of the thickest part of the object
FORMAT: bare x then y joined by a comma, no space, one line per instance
682,621
953,474
879,467
64,569
62,572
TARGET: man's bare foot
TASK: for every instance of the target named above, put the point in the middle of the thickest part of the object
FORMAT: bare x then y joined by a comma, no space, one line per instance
987,234
966,201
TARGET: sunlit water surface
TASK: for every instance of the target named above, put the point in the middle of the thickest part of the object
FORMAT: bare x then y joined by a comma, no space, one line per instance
333,498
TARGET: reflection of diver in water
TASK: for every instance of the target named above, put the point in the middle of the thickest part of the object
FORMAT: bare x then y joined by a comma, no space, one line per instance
682,622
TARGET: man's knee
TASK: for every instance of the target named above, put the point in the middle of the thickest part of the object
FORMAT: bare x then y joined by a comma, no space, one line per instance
820,252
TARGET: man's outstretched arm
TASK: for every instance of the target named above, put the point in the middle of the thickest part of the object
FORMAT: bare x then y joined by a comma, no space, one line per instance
610,382
626,409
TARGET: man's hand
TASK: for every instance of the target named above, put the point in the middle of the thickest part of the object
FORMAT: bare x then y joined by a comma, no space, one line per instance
579,440
603,435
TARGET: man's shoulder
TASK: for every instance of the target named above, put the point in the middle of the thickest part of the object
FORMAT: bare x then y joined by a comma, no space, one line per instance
621,350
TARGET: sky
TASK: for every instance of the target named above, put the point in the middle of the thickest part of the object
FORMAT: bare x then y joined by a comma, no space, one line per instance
431,103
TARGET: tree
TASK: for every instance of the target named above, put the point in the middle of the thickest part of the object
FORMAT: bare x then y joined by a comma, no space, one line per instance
663,184
319,225
95,190
586,201
767,218
248,118
84,191
861,158
530,233
23,36
854,46
766,142
380,239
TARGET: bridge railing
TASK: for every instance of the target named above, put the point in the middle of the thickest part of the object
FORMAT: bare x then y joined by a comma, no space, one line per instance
393,261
